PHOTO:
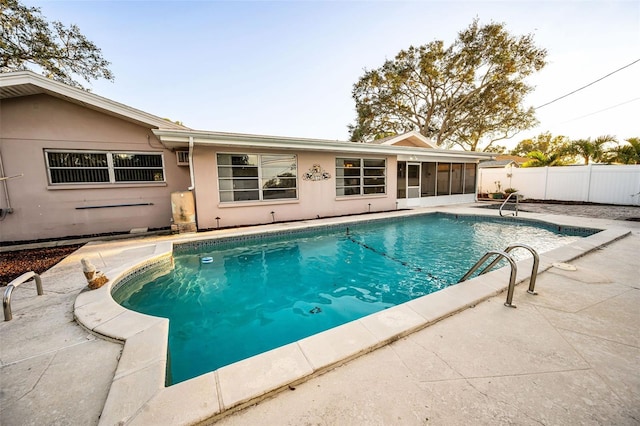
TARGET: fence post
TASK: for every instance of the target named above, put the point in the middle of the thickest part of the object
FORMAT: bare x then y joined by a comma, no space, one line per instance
589,170
546,181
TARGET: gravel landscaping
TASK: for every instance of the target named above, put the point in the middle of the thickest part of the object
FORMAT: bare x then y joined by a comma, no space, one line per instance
15,263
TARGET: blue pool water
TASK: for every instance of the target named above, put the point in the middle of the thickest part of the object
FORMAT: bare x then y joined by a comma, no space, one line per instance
261,293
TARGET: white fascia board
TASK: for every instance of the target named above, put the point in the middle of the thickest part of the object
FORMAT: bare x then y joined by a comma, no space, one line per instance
180,138
414,133
85,98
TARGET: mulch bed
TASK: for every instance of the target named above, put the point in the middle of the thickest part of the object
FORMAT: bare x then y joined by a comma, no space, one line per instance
15,263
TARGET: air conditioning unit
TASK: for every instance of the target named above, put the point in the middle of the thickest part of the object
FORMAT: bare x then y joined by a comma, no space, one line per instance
182,157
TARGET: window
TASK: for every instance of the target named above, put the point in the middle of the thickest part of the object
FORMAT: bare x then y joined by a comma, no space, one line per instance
438,179
71,167
137,167
428,180
457,178
256,177
402,179
360,176
443,178
469,178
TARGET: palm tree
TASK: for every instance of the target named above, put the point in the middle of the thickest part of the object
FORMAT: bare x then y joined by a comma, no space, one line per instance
540,159
595,150
626,154
544,142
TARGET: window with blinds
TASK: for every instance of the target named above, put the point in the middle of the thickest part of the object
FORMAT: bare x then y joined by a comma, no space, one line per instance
87,167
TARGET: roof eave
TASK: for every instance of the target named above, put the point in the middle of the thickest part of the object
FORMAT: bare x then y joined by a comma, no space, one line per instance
412,134
180,139
31,80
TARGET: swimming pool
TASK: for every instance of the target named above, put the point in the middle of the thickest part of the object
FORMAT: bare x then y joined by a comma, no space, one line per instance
265,291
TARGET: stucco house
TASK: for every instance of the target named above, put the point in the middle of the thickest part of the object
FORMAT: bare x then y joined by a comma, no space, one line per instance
75,163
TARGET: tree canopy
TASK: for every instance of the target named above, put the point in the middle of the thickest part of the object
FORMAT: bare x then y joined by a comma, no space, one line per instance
626,154
469,94
548,150
544,142
596,150
540,159
60,52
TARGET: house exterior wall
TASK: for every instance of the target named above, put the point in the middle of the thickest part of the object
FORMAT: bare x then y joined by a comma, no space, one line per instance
315,198
31,124
436,200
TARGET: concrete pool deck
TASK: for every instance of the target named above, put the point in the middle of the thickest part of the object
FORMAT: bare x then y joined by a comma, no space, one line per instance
568,355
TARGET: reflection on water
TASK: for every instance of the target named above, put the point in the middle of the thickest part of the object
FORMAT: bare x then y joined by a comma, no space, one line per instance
258,296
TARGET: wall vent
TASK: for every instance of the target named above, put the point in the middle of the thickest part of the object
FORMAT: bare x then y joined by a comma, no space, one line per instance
182,158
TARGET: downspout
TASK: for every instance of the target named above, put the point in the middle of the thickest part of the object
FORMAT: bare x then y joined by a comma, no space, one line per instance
193,184
478,183
5,187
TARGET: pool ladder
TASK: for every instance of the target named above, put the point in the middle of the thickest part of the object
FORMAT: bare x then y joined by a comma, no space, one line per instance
514,269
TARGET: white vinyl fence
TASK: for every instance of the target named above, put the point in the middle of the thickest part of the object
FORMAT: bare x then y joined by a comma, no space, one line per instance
605,184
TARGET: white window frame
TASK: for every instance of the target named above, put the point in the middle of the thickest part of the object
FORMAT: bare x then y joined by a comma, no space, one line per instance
362,176
259,178
110,167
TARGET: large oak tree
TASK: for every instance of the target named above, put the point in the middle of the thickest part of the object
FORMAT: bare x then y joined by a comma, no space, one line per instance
470,94
60,52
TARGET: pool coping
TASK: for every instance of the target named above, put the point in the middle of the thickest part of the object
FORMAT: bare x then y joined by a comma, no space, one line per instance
138,394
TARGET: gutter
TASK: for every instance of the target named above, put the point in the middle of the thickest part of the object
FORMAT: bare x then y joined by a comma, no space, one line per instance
180,138
4,179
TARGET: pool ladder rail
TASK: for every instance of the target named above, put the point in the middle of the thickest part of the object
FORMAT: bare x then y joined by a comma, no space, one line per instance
6,300
514,269
505,202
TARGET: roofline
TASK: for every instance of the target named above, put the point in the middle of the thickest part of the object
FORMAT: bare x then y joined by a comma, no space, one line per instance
180,138
413,133
83,97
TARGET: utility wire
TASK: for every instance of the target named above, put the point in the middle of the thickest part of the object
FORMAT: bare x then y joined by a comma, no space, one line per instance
590,84
602,110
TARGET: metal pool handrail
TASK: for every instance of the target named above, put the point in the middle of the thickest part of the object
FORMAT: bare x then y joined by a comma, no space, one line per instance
505,202
534,269
514,269
6,300
512,277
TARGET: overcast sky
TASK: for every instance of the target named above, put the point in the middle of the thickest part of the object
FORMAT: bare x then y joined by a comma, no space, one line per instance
287,68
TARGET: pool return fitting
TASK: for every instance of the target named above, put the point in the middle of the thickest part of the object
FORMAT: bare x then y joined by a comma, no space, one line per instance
514,269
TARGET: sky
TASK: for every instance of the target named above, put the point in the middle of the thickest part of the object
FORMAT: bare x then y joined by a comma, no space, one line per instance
287,68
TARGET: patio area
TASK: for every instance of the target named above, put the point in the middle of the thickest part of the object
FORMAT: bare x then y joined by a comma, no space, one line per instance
567,355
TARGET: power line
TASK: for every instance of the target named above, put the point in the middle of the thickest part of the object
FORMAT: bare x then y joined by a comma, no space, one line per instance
590,84
602,110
